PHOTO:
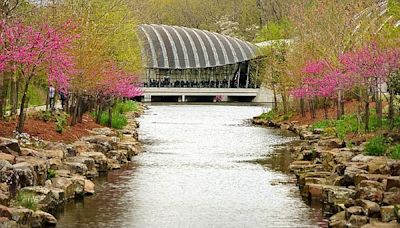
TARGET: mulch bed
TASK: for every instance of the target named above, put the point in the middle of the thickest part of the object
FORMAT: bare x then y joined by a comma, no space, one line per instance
47,130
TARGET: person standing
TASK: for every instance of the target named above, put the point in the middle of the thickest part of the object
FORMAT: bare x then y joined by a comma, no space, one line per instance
52,94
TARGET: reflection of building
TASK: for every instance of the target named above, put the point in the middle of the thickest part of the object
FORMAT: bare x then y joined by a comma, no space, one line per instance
197,62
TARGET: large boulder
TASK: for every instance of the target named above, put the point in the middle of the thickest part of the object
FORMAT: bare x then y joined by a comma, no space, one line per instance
394,167
392,182
89,187
104,131
7,157
42,219
392,198
102,143
4,194
79,183
100,160
370,193
25,175
39,165
59,154
65,184
357,221
338,220
21,215
46,198
9,146
76,168
118,155
371,209
388,213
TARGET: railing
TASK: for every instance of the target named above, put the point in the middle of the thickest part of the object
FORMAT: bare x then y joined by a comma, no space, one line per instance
201,84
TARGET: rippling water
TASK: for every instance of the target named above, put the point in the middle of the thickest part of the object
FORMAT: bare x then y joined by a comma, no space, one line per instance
200,168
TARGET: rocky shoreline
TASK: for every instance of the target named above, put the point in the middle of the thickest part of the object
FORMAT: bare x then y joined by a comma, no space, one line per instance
37,176
355,190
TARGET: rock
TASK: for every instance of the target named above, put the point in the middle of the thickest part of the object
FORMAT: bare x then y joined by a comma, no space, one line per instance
357,221
42,219
301,166
371,209
312,177
362,158
29,152
100,160
7,223
350,173
55,164
338,220
59,154
10,146
82,147
63,173
65,184
5,165
391,198
392,182
79,185
318,131
7,157
394,167
76,167
5,212
24,175
104,131
39,165
370,183
375,177
46,198
119,155
105,143
388,213
331,143
88,161
4,194
89,187
381,225
354,210
113,164
375,166
21,215
370,193
335,195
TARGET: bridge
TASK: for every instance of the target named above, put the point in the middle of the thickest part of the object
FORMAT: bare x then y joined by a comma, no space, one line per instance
207,95
188,65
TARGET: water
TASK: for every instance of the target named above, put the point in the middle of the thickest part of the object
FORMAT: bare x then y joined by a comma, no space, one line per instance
203,166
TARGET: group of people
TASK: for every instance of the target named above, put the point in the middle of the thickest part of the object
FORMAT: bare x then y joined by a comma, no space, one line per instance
166,82
52,98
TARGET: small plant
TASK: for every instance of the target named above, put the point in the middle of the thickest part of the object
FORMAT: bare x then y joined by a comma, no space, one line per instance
268,115
395,152
61,121
46,115
51,173
376,146
27,199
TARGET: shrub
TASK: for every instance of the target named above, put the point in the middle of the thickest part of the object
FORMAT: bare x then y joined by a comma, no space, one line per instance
51,173
395,152
27,199
126,106
119,121
45,115
61,121
268,115
376,146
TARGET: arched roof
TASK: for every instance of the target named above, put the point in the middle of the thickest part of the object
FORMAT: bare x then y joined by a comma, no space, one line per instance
172,47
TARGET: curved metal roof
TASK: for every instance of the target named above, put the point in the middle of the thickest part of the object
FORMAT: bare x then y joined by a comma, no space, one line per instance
172,47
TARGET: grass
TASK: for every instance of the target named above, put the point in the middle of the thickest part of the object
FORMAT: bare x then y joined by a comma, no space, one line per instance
27,200
119,119
376,146
51,174
395,152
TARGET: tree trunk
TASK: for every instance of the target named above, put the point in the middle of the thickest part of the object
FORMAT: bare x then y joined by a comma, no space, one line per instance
2,98
275,98
302,108
109,124
391,110
326,108
284,103
14,95
21,118
339,105
75,110
366,115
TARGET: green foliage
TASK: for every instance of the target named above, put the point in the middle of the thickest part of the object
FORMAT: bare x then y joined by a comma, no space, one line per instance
395,152
268,115
51,173
37,95
274,31
119,121
45,115
27,200
61,121
376,146
127,106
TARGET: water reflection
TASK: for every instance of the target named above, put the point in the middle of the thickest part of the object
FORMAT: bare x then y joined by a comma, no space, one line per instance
203,166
